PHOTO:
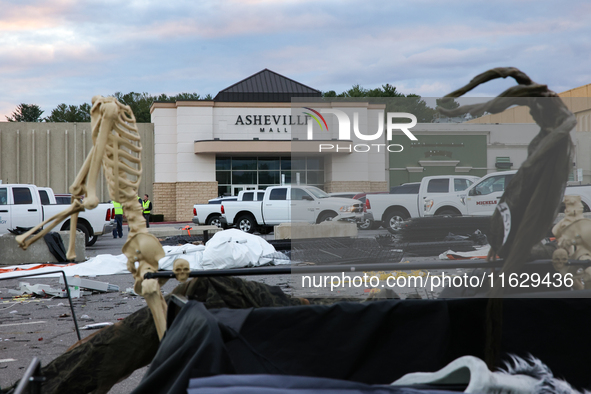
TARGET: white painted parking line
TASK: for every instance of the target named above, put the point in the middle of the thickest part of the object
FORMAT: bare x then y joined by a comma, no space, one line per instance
21,324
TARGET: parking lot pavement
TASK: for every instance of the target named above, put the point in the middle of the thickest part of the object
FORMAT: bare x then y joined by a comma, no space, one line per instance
44,327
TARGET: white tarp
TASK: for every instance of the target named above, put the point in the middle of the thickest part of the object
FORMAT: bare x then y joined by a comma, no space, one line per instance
234,248
226,249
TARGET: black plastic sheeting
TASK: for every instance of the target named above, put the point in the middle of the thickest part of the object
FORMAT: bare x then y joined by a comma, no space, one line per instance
374,343
436,228
56,246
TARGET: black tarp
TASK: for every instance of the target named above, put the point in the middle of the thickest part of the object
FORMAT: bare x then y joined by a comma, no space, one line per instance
373,343
56,246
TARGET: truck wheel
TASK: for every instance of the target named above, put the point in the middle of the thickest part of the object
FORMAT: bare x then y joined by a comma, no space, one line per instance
92,240
246,224
214,221
393,221
82,228
366,225
326,217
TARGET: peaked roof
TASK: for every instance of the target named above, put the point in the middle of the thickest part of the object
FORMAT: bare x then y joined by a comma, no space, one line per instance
266,86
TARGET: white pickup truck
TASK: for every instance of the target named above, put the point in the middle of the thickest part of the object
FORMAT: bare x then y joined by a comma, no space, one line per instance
210,213
287,204
482,197
392,209
27,206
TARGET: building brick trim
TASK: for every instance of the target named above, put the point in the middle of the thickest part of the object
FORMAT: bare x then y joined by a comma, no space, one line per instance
175,200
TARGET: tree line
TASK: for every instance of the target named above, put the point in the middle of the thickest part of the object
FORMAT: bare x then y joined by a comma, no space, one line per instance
140,104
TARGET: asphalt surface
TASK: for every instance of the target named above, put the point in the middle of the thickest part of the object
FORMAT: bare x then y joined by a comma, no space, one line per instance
44,327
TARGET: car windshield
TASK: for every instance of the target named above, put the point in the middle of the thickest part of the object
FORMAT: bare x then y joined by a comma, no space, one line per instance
317,192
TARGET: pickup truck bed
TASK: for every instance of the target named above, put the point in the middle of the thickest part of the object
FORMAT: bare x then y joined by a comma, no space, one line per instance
26,205
393,209
288,204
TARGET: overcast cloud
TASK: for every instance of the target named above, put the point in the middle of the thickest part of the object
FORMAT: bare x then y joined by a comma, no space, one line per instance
60,51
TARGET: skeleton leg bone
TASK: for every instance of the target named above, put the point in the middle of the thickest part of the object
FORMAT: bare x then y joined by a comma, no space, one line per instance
153,296
145,249
71,254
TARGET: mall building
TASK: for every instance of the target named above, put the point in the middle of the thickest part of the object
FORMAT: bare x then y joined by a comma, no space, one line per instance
251,136
246,138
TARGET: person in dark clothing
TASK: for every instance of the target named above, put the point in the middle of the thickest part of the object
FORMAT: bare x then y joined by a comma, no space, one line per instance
147,209
118,230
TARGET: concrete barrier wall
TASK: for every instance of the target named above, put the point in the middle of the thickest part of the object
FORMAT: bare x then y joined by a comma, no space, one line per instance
11,254
51,154
327,229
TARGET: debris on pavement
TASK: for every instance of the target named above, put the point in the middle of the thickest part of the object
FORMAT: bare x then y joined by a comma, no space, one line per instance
39,289
78,287
96,326
44,290
88,284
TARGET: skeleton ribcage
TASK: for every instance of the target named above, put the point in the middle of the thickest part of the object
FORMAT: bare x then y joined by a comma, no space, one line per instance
122,162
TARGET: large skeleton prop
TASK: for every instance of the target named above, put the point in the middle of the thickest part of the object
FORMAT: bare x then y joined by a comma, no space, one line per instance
116,145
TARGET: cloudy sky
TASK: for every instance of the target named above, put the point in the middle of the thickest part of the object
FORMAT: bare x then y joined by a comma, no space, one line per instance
61,51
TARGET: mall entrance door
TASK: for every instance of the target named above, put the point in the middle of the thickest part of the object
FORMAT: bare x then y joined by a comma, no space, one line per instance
238,188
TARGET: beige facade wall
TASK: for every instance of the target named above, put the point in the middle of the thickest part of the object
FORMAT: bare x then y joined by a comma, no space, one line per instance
51,154
577,100
191,193
164,200
355,186
175,200
379,186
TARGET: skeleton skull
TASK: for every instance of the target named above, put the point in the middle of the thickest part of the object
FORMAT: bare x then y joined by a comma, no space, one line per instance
559,259
181,270
573,206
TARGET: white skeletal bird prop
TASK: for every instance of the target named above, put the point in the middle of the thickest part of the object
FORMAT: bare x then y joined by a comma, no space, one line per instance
116,145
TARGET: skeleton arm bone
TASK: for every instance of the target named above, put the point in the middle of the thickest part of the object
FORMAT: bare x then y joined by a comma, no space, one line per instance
100,136
24,241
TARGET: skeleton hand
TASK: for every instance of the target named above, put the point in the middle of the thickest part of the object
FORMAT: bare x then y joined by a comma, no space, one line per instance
131,266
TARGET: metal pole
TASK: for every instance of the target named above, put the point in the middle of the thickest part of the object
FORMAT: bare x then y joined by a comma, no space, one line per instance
18,148
32,375
33,156
66,153
358,268
48,154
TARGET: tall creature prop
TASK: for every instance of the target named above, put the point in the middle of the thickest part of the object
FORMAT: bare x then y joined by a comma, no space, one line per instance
116,145
532,198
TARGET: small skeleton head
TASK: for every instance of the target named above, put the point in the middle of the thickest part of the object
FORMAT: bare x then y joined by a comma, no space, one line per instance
559,259
573,206
181,270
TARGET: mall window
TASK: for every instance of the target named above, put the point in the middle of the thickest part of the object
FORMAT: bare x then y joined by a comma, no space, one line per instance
234,174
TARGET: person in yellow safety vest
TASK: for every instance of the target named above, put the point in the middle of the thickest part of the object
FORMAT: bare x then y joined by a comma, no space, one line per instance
147,206
118,230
